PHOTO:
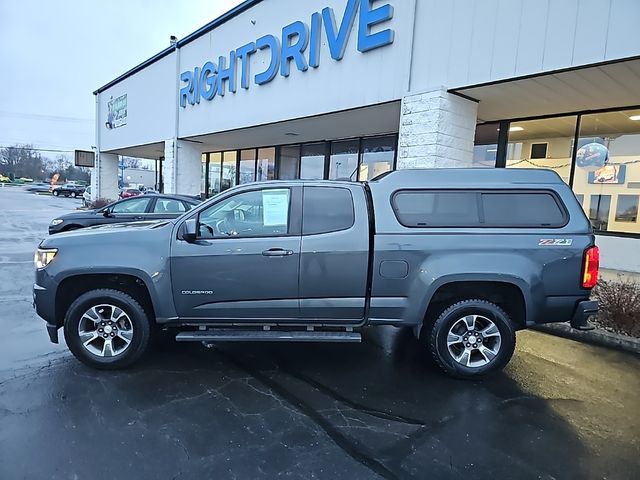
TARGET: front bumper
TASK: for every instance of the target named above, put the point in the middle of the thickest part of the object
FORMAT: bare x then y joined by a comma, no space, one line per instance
584,310
44,302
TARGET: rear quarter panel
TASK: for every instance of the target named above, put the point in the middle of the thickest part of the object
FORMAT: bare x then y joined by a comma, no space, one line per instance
547,273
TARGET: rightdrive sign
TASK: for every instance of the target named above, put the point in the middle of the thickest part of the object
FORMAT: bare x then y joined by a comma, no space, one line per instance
299,43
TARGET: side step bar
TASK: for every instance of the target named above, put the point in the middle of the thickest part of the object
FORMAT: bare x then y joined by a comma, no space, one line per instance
267,336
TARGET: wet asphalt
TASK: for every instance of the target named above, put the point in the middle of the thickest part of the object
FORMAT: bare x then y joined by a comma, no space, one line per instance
379,409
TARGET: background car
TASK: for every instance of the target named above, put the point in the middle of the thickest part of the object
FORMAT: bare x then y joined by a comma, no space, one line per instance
135,209
86,196
129,192
68,190
38,187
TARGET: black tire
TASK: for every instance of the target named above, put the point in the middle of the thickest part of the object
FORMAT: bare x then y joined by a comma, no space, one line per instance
73,194
55,193
137,316
437,335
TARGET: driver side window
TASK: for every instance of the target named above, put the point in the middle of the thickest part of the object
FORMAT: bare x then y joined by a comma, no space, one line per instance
135,205
259,213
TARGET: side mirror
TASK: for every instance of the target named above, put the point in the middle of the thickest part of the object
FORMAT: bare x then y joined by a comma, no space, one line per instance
106,212
189,233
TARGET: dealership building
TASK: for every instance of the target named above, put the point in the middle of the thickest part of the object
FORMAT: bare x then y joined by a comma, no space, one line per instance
349,89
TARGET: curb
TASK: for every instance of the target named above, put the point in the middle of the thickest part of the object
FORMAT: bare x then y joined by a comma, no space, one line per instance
593,337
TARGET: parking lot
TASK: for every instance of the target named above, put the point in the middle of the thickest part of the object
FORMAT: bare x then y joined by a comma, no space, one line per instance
379,409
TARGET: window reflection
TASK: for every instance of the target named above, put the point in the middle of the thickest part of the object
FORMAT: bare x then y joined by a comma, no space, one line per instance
485,148
377,157
545,143
288,165
312,161
344,160
247,166
608,169
215,169
266,168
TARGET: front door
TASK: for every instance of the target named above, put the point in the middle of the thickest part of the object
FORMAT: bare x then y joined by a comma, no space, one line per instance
244,264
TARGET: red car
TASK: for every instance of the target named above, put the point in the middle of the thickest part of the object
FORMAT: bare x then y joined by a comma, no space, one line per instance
130,192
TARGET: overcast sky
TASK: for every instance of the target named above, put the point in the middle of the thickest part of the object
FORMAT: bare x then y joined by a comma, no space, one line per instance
54,54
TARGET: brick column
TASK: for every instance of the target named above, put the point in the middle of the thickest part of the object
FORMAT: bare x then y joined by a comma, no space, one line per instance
437,130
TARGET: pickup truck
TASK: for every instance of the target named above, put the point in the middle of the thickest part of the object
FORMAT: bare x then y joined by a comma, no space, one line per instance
463,257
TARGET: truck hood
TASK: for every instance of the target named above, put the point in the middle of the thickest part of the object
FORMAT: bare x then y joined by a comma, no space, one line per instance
124,232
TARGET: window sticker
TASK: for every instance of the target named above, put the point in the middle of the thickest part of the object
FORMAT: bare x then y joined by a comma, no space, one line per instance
275,204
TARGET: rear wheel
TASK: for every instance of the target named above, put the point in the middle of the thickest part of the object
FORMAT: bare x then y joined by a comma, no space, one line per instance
73,194
55,193
107,329
472,338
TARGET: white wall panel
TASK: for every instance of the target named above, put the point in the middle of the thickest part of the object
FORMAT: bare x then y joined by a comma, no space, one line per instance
560,31
591,31
531,37
505,41
622,36
484,26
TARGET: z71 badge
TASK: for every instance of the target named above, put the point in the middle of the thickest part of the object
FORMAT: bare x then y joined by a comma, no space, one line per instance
557,242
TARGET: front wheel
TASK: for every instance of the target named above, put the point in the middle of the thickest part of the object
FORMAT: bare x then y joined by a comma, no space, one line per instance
55,193
106,329
73,194
472,338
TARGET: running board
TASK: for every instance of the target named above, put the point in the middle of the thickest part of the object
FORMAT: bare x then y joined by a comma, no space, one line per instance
267,336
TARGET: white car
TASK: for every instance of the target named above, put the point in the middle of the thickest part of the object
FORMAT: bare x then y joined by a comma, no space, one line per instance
86,197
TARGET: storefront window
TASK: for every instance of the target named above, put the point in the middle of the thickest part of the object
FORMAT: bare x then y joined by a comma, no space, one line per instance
485,148
545,143
344,160
627,208
312,161
288,162
599,208
229,160
247,166
266,169
608,169
377,157
215,169
203,176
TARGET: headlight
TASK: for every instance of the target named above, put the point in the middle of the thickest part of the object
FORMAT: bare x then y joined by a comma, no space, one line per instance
43,256
57,221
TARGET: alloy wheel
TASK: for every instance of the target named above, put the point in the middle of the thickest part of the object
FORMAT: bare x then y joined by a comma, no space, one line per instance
474,341
105,330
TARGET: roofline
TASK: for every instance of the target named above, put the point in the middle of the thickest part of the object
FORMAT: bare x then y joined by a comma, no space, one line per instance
225,17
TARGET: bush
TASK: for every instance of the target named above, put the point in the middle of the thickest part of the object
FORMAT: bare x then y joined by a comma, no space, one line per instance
99,203
619,306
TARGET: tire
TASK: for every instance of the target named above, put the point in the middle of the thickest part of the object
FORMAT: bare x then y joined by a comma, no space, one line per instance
105,305
73,194
468,353
55,193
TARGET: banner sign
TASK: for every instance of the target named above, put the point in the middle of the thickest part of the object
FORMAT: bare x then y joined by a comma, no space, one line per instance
116,112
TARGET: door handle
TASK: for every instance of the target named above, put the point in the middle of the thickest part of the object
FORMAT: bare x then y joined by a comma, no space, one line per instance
277,252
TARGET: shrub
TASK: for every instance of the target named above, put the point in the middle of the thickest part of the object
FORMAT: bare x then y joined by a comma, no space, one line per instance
100,202
619,306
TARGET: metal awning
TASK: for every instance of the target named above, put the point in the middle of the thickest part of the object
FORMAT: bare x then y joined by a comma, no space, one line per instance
592,87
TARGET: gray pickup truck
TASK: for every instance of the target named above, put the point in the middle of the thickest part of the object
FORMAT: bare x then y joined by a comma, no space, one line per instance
463,257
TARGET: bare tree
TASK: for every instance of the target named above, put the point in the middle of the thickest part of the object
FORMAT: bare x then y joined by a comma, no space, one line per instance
21,161
130,162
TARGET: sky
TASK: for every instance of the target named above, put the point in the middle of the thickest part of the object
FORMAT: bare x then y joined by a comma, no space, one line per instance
54,54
